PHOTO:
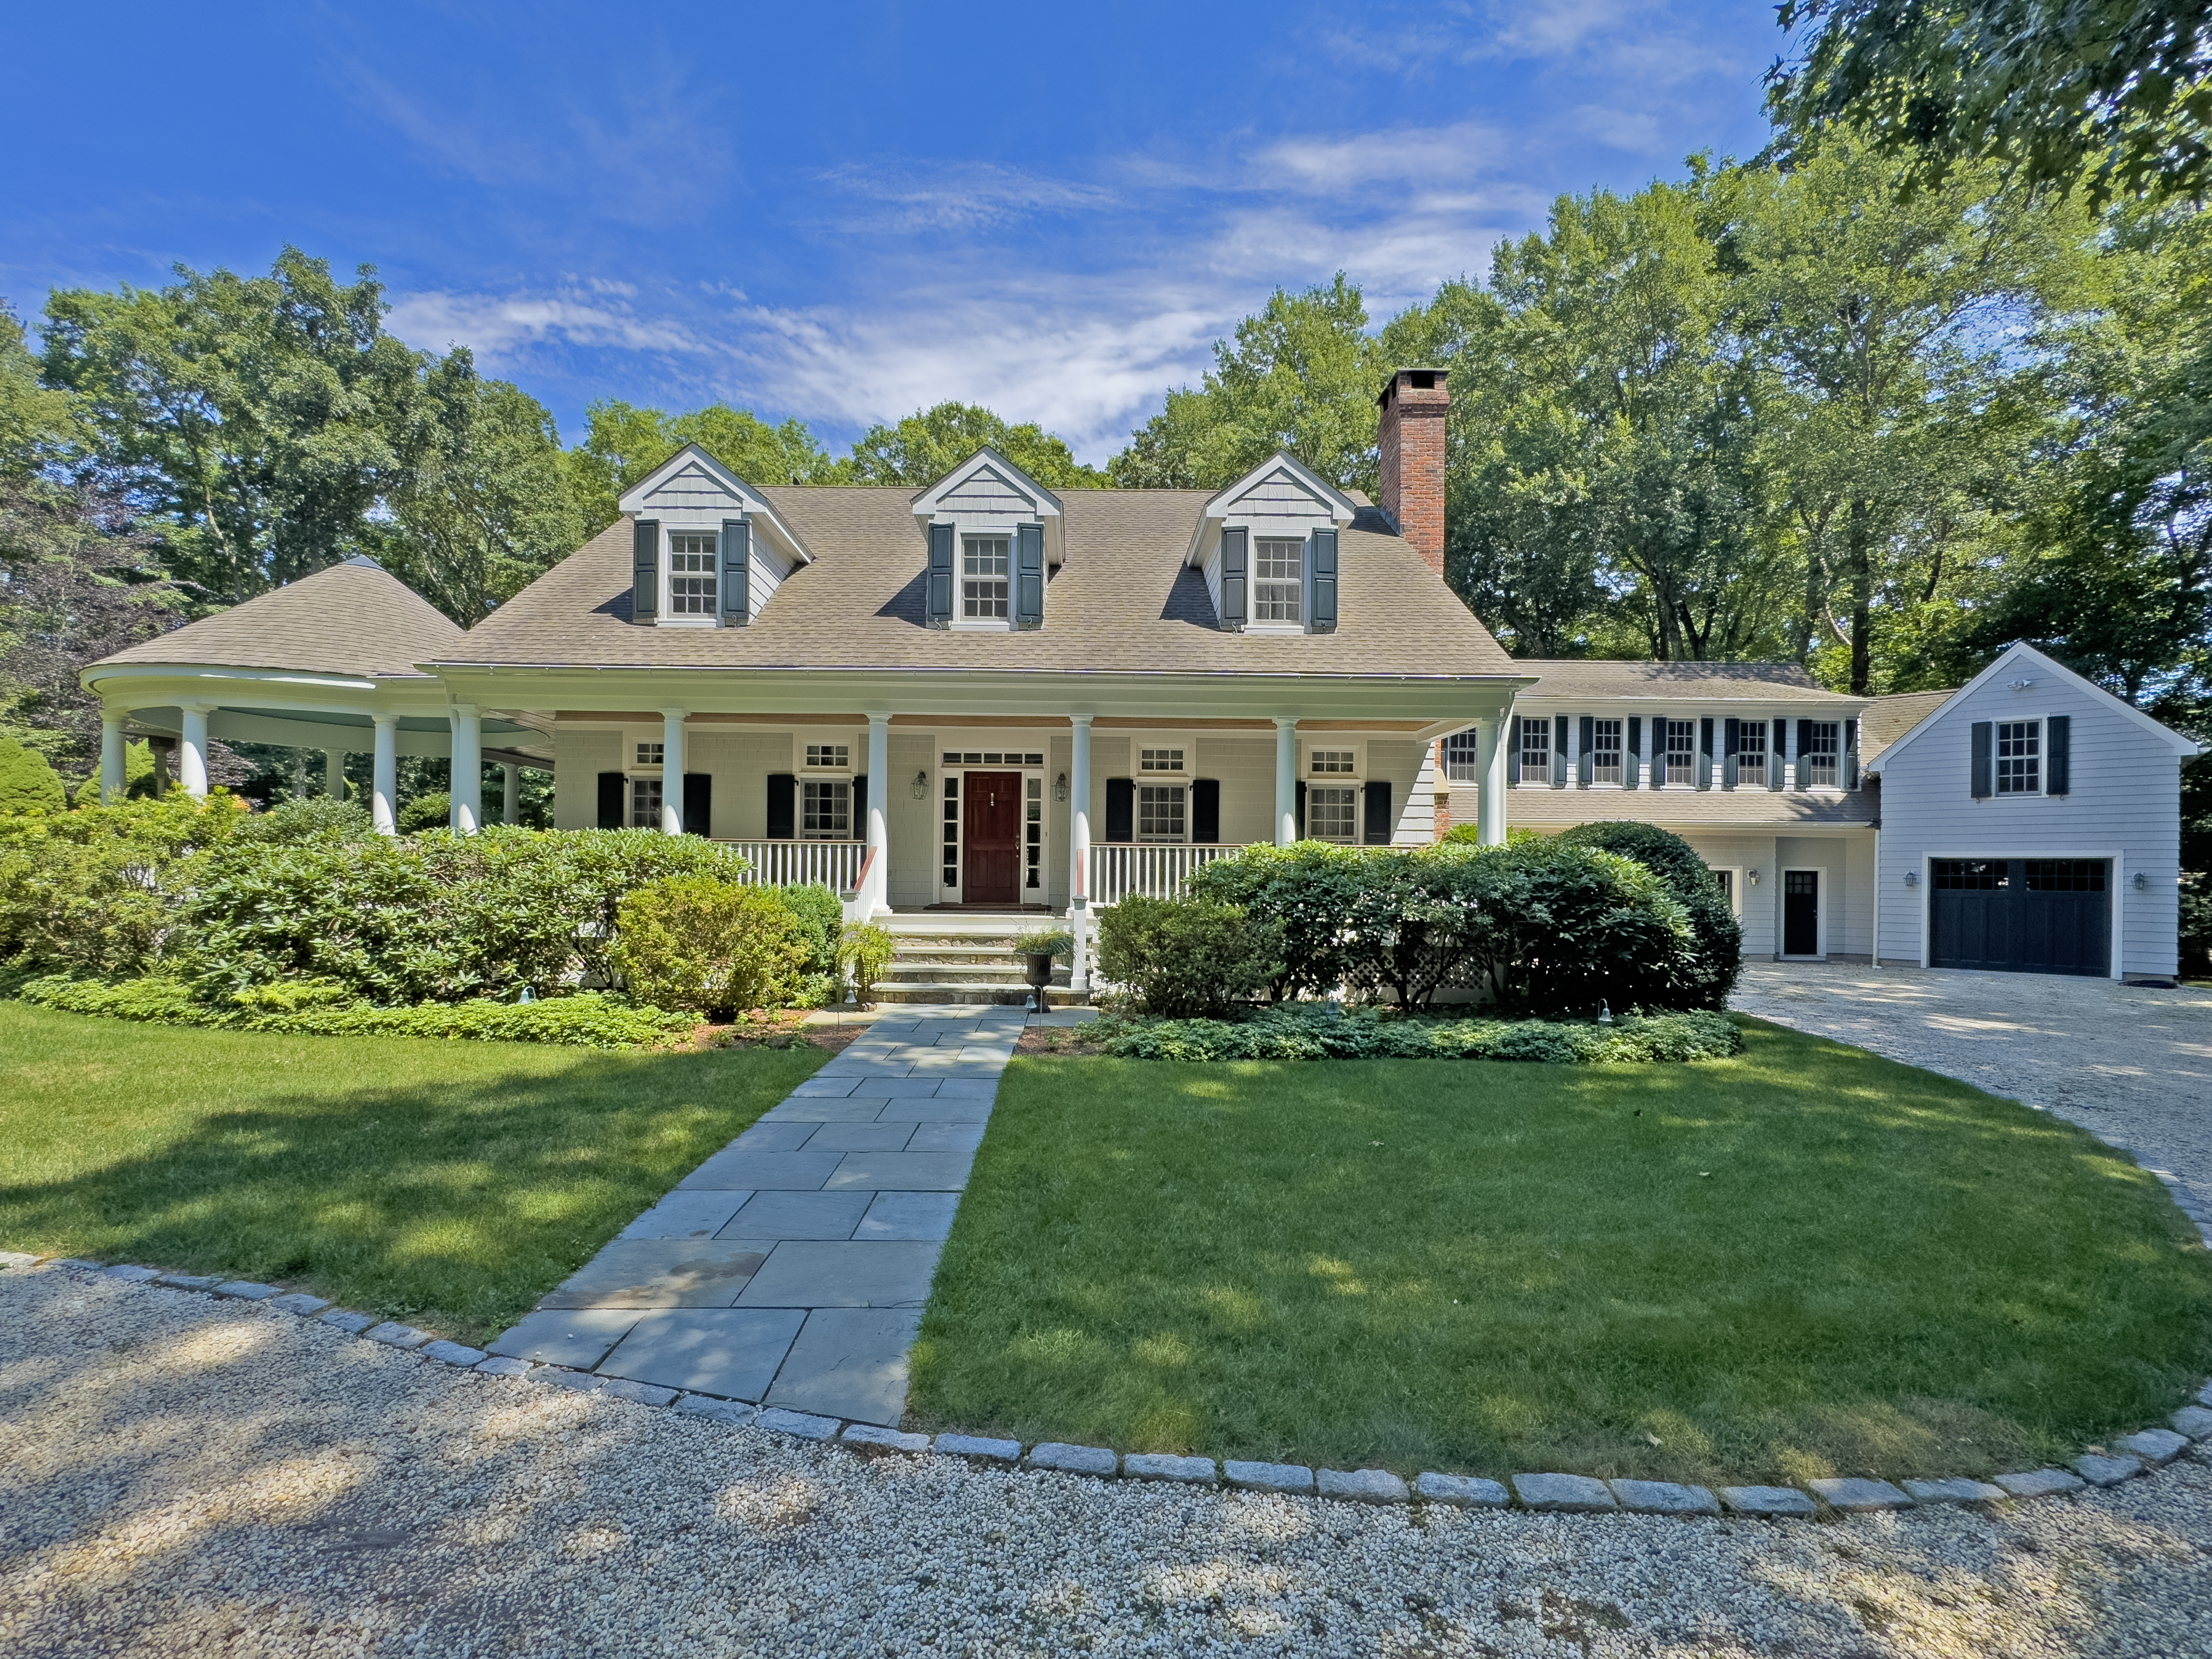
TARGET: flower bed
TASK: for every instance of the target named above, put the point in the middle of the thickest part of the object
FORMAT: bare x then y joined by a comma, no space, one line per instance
1316,1031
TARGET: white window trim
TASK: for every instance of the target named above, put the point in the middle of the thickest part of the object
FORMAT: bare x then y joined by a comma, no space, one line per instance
1824,902
957,893
1659,752
1178,781
2042,760
1735,873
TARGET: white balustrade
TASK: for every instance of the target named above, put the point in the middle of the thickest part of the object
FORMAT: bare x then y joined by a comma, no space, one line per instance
1151,870
834,864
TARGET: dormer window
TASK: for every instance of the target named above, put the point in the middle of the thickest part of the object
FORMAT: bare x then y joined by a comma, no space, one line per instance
984,577
1268,545
691,559
993,535
706,549
1278,581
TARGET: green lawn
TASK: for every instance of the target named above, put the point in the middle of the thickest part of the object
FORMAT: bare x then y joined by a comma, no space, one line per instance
1804,1260
453,1183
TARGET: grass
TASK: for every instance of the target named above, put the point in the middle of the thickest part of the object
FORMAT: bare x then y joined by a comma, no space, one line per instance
450,1183
1804,1260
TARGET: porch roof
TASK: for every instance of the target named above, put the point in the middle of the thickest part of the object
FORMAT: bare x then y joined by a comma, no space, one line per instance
1567,679
1124,602
1765,809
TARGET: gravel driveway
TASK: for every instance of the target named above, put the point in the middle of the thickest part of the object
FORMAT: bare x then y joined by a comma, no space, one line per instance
179,1474
2131,1064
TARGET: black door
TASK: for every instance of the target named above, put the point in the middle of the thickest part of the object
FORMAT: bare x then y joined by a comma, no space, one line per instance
2022,915
1801,913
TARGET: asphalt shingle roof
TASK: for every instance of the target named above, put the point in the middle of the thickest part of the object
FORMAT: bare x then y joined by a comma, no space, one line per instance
1888,719
1614,681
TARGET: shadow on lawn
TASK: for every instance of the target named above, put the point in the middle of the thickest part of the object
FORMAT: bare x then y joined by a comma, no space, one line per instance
457,1203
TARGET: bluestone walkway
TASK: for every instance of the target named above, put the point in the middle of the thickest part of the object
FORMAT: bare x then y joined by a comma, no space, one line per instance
791,1267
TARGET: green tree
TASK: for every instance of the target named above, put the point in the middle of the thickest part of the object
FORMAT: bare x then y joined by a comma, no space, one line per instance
1301,376
2115,92
929,443
28,782
254,417
38,424
623,442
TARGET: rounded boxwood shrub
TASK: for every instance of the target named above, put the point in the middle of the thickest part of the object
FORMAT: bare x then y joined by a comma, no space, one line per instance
718,948
1187,958
1719,935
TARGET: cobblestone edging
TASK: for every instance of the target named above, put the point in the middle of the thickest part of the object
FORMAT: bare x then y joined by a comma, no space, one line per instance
2138,1454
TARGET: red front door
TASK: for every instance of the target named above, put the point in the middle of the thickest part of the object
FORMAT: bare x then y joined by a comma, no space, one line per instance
991,829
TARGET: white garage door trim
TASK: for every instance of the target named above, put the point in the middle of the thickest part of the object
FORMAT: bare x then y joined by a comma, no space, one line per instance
2117,889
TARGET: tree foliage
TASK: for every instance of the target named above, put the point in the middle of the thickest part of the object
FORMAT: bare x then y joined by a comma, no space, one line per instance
623,442
929,443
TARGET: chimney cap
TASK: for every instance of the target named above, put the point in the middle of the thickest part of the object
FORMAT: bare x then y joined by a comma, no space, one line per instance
1416,379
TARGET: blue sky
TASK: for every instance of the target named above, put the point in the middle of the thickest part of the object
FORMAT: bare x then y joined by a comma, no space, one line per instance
845,212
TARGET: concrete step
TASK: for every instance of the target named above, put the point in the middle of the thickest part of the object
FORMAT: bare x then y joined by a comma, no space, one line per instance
952,990
960,974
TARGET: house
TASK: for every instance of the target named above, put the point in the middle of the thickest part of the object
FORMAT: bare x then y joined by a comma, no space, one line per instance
991,696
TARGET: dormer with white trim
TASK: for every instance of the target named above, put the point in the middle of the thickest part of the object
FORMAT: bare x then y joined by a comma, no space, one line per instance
993,537
1267,545
707,548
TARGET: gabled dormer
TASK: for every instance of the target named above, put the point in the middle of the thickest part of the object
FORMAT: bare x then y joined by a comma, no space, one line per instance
993,535
707,548
1268,546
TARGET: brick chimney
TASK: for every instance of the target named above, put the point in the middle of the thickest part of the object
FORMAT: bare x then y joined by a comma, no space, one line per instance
1412,439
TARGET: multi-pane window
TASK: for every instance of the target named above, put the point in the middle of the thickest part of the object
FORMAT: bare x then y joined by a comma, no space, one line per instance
1333,814
645,803
828,757
952,839
1159,760
1327,762
2065,875
1971,875
1725,880
692,574
2020,758
1605,752
1680,746
1033,832
825,810
1821,762
649,754
1536,752
1463,757
1159,811
983,564
1278,580
1751,752
991,757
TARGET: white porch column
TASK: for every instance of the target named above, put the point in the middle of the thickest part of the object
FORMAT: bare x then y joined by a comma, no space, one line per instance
334,774
466,769
1078,852
191,751
879,818
384,776
1490,808
510,792
113,782
1286,781
671,771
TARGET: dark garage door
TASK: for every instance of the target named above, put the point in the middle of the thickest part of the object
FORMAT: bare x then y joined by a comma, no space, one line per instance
2026,916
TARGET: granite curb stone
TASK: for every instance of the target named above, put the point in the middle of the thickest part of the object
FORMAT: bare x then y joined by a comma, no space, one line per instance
562,1377
804,1425
1562,1494
641,1394
2101,1471
1059,1456
2194,1421
454,1354
131,1276
1269,1477
244,1289
1664,1497
1854,1495
2039,1483
1466,1491
348,1321
189,1281
501,1364
81,1261
300,1303
2155,1446
1766,1502
979,1448
1957,1489
1362,1485
17,1259
1163,1465
735,1413
871,1434
2204,1395
393,1334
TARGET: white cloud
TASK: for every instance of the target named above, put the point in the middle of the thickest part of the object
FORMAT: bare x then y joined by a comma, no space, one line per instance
1421,156
496,327
916,196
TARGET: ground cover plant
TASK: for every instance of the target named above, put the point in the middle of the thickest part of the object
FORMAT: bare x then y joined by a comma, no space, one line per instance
1310,1031
452,1184
1799,1262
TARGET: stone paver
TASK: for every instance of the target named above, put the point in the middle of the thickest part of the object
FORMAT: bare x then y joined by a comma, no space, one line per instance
1465,1491
979,1448
1957,1489
1072,1460
1164,1466
2039,1483
1664,1497
2101,1471
1294,1477
2154,1445
789,1269
1361,1485
1856,1497
1768,1502
1573,1494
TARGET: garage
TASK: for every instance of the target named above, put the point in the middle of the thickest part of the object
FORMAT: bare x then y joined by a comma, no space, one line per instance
2022,915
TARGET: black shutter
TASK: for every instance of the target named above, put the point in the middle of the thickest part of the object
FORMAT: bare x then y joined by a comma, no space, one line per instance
1301,819
859,818
1732,740
1978,783
1120,809
1323,557
698,804
1235,572
2058,754
1559,752
614,799
1851,766
1513,755
1777,755
1028,575
1705,751
737,571
1804,748
644,571
782,807
1631,763
937,600
1206,811
1375,805
1584,766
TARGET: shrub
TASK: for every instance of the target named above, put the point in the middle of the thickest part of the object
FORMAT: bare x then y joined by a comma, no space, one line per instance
28,783
824,920
316,818
716,946
1719,936
425,812
864,951
1306,890
1561,928
95,891
1298,1031
1188,957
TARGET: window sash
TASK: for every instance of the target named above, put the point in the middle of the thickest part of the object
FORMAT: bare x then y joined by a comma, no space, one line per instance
692,574
1821,764
1278,581
2020,758
1463,757
825,810
1681,748
1332,814
1606,750
645,799
984,568
1160,811
1159,760
1332,762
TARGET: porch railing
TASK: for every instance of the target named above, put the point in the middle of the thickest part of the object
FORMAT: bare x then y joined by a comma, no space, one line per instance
834,864
1121,868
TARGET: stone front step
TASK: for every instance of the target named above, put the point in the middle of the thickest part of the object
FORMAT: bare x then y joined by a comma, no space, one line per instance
956,991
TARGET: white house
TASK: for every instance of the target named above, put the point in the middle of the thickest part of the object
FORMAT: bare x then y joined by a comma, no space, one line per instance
989,696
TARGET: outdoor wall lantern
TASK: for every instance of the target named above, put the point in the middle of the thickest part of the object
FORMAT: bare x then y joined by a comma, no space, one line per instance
1059,788
2142,881
1753,877
1912,879
920,788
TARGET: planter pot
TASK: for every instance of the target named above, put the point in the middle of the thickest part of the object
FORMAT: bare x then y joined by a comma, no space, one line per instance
1038,966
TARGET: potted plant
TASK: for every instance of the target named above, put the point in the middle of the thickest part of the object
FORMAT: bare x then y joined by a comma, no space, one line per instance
1036,950
864,951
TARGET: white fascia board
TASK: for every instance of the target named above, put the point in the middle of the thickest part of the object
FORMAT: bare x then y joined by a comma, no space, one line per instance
2012,657
755,504
1839,705
1341,512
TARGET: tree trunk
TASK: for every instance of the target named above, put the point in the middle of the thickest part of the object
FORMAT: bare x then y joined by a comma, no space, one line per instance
1861,574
